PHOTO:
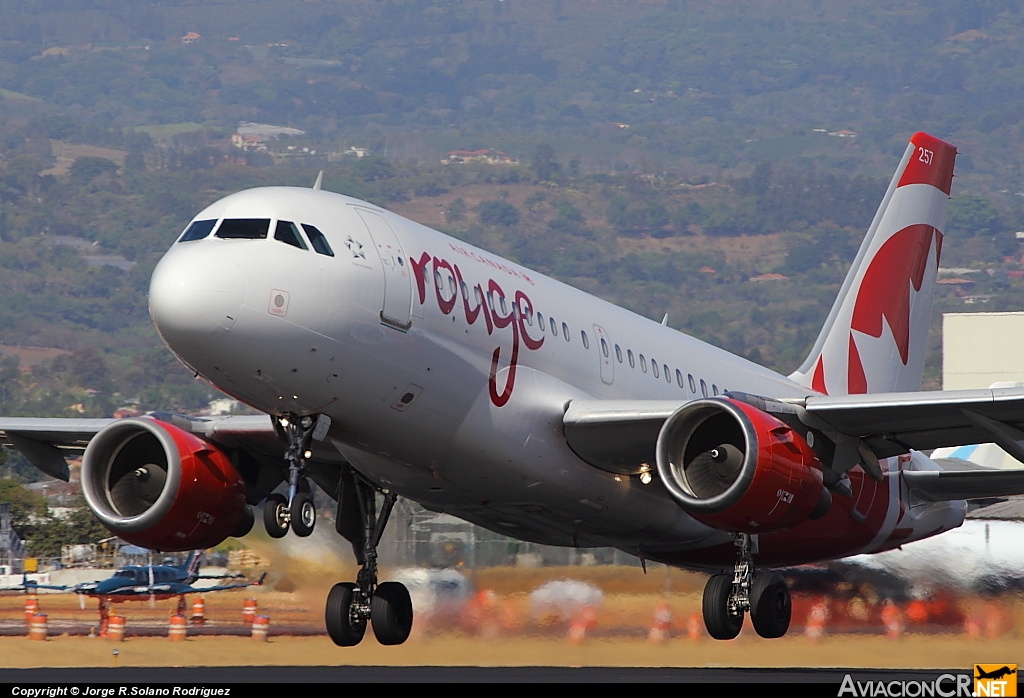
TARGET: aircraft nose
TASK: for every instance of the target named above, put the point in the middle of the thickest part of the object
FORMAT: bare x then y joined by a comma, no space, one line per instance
194,298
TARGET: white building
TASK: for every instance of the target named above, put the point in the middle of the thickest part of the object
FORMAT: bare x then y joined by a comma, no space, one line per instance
979,349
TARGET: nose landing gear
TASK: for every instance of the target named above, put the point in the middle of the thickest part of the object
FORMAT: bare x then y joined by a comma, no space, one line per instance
387,606
765,596
296,511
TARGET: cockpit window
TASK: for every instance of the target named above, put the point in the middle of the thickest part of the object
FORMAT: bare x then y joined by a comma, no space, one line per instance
318,240
197,231
288,233
244,228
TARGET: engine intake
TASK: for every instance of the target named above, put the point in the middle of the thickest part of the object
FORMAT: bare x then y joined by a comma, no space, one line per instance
739,469
158,486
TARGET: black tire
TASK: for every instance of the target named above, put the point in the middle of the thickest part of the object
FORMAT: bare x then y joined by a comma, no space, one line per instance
245,523
770,605
274,519
721,624
344,631
391,613
303,514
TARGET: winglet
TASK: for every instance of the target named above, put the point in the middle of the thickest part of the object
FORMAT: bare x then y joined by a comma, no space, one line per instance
319,181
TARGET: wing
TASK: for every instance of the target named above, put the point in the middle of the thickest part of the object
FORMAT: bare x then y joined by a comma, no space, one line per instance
222,587
46,442
621,435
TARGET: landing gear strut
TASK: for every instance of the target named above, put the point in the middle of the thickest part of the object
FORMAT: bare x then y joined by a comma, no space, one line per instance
349,606
764,595
296,511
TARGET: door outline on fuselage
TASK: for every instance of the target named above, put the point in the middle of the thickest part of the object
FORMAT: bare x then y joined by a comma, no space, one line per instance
604,355
396,310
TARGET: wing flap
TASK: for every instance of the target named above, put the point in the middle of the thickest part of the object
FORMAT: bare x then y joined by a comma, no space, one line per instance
892,423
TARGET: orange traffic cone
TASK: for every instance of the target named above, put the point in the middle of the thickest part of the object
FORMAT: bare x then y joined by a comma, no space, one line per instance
662,622
814,628
892,619
694,627
198,611
176,629
248,611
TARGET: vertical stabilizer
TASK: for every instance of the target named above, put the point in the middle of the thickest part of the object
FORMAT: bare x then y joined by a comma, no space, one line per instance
874,338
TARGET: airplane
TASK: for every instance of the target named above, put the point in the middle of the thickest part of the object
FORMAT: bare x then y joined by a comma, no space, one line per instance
996,674
391,359
159,581
143,582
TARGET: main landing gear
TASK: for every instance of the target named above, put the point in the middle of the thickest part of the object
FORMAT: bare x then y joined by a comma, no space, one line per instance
349,606
764,595
296,511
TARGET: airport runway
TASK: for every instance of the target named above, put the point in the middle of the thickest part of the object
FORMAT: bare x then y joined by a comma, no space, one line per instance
211,676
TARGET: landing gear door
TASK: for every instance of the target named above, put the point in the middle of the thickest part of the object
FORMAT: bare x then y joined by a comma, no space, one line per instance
397,310
604,354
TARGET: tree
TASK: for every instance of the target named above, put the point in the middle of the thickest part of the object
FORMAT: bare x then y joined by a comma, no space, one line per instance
455,211
498,213
87,168
544,164
969,216
24,505
372,168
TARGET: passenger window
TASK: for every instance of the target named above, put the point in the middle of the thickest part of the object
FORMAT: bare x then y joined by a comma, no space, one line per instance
618,353
197,231
703,388
632,361
287,233
465,289
479,296
504,308
679,378
540,322
565,331
654,368
643,363
668,376
528,314
244,229
554,327
604,347
318,240
586,340
693,386
437,279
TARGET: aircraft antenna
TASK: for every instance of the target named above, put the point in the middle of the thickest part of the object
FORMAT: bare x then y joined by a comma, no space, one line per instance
319,181
664,320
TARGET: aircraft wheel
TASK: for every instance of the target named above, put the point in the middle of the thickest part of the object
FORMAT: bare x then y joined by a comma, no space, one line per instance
721,624
391,613
345,629
303,514
275,515
245,523
770,605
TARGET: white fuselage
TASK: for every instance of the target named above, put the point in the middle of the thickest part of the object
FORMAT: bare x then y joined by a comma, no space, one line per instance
452,405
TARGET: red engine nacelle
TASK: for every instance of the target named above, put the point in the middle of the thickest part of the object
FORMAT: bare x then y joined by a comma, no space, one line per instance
159,487
739,469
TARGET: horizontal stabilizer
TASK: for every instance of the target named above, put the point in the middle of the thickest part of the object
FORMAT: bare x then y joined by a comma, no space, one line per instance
941,485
